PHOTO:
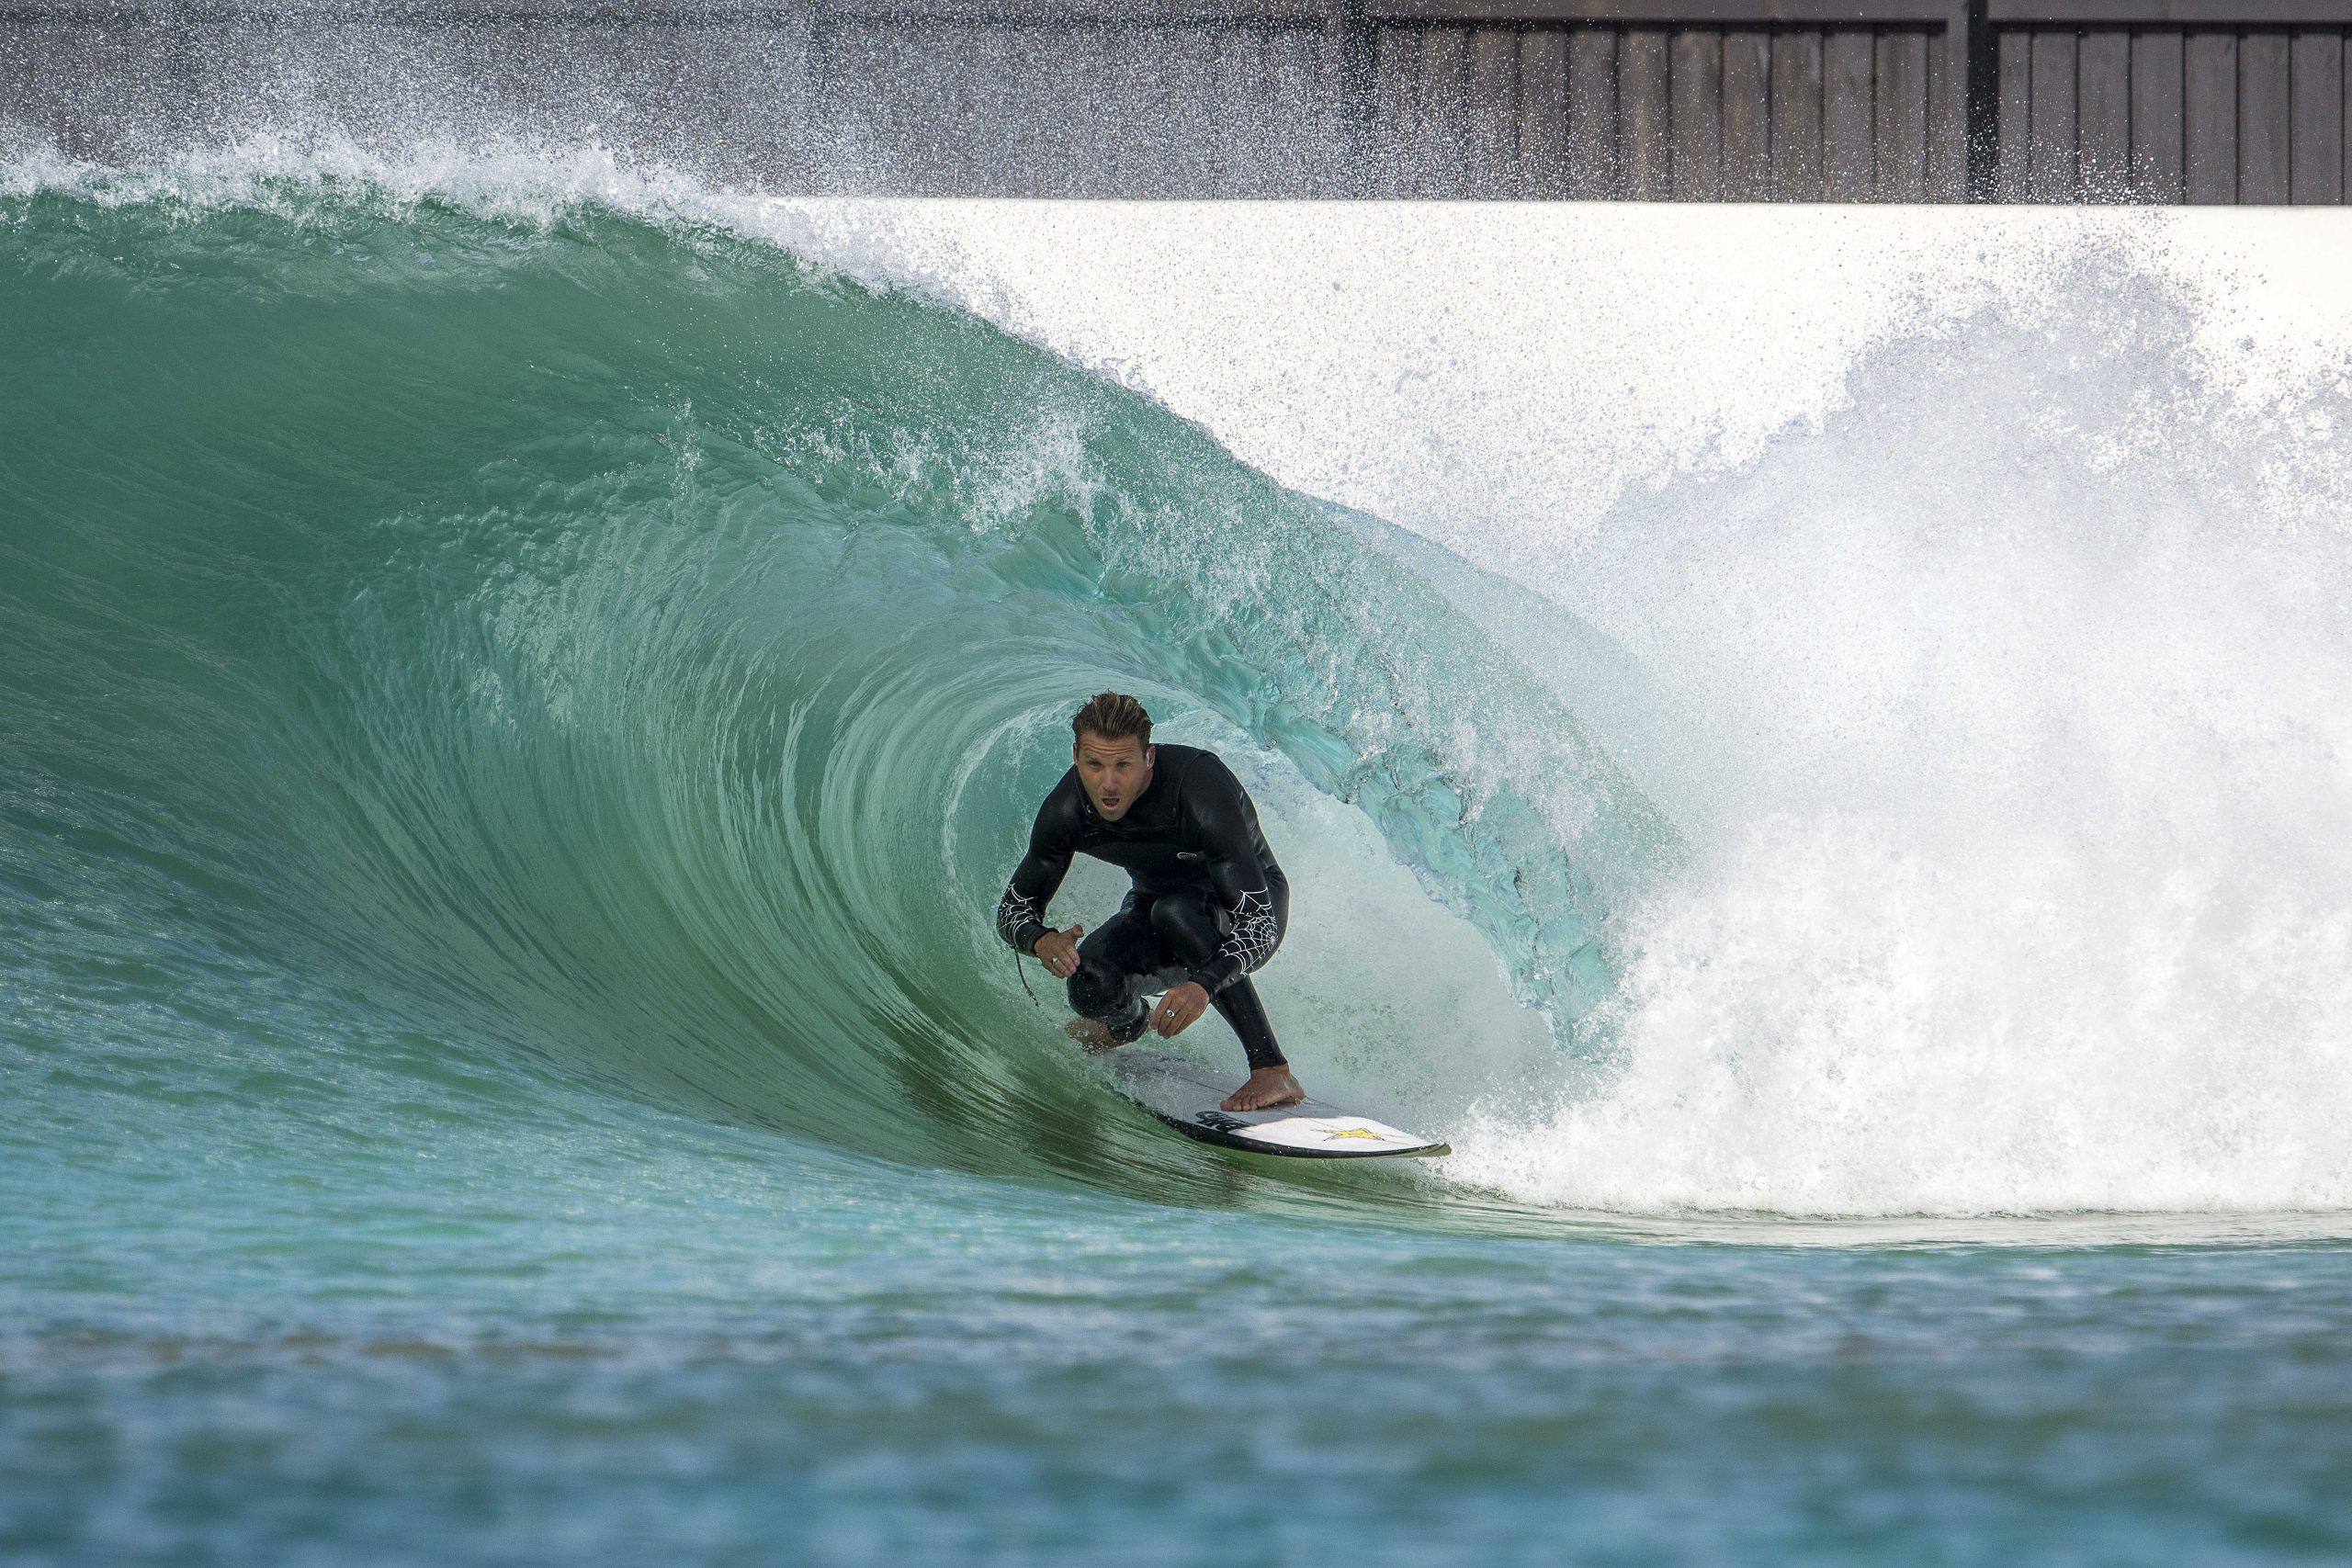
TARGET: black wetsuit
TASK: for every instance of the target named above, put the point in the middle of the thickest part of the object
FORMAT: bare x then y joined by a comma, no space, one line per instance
1208,903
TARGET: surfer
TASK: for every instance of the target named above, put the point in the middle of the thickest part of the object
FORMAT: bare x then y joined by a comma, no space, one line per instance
1207,905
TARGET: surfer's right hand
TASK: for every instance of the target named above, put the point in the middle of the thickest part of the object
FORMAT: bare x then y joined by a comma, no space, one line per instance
1057,951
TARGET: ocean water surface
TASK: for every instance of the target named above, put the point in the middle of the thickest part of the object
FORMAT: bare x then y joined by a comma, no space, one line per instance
519,690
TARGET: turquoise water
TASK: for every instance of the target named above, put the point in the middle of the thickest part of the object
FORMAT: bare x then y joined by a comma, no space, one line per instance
515,725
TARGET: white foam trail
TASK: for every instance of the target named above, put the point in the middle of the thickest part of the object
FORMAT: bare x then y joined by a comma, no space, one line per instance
1845,1021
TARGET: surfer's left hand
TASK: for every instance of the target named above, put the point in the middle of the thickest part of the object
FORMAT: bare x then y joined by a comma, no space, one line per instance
1178,1009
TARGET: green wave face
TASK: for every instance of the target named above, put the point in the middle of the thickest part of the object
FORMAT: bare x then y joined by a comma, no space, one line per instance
617,645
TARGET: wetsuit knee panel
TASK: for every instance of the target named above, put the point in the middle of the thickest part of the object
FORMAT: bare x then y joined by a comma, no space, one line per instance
1109,998
1094,990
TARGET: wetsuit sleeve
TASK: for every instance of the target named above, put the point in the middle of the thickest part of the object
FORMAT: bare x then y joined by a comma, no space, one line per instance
1021,913
1224,825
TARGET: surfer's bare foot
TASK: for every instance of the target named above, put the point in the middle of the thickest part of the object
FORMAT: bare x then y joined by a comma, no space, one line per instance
1093,1036
1267,1088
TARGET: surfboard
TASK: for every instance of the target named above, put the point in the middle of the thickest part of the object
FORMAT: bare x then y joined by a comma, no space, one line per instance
1184,1094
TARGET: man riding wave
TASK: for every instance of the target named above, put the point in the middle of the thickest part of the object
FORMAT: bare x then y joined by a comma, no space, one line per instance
1207,905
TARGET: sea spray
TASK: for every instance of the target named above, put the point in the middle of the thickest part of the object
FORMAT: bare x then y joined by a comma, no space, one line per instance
2021,884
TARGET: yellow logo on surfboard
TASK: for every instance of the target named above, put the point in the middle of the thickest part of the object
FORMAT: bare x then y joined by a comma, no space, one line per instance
1351,1132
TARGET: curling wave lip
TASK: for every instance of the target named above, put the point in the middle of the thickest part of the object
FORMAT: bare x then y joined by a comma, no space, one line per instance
774,618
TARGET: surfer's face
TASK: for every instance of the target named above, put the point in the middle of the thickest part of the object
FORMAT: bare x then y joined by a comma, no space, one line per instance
1113,772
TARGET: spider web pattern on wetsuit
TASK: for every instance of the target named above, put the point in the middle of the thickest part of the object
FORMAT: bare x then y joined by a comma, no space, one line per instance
1254,932
1013,913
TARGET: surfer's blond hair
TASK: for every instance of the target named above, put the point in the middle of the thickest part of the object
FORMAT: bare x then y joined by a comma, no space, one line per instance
1113,716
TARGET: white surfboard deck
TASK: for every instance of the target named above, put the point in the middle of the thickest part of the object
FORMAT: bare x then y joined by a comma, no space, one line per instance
1184,1094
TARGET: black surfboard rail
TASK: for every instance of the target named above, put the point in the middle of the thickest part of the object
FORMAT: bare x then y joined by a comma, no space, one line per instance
2160,101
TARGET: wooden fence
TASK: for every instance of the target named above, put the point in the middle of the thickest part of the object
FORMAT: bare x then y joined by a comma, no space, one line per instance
1731,100
2164,101
1706,100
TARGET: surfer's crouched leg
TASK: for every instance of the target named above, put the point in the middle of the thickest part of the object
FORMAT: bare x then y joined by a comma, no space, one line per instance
1192,924
1112,964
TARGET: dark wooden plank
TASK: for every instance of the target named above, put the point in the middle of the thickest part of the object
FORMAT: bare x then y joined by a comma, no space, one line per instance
1643,114
2206,13
2053,175
1948,88
1695,74
1658,14
1796,116
2103,128
2013,165
1748,116
1594,167
2156,117
1440,170
2315,119
1847,62
2209,127
1544,112
1490,152
1900,114
2262,117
